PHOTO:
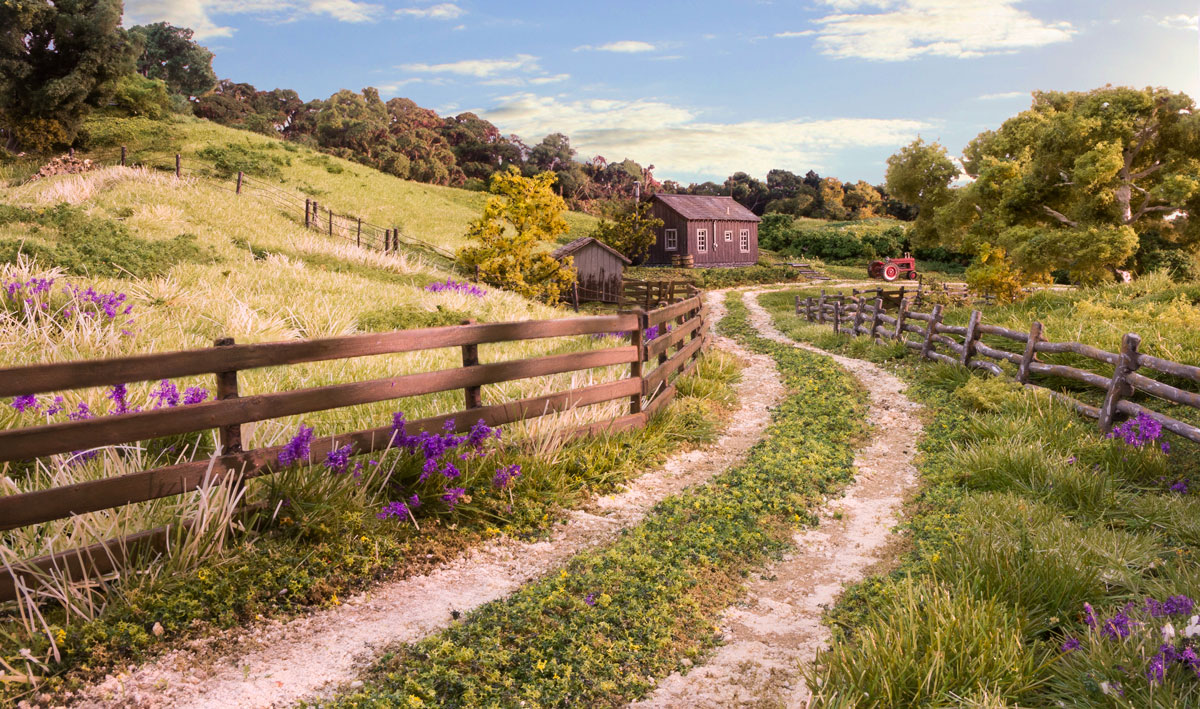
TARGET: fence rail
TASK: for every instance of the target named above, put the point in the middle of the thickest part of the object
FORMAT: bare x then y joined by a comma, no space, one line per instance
861,318
647,388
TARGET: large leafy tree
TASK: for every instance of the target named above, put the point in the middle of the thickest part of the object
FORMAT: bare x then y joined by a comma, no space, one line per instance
57,61
748,191
1072,184
632,231
519,223
168,53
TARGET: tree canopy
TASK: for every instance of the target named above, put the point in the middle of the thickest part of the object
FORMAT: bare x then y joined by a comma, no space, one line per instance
1079,183
168,53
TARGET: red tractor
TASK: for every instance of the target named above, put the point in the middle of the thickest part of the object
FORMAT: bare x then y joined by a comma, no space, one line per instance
890,269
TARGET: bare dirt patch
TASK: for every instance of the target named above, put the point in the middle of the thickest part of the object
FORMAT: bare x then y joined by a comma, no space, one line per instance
284,662
777,627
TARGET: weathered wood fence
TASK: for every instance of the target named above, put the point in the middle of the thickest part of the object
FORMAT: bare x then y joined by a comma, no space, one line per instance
958,294
651,294
862,318
648,388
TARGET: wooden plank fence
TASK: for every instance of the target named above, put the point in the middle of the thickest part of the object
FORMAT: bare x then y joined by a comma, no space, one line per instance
652,294
970,351
670,355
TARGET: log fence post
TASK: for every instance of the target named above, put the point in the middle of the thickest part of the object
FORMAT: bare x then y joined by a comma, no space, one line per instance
971,338
858,315
638,338
331,222
178,167
358,234
574,294
122,156
935,318
837,317
238,190
821,307
227,388
875,319
1119,387
1030,355
473,396
808,308
900,316
307,213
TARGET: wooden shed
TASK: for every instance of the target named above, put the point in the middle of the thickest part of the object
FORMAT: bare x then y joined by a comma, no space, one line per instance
712,231
600,268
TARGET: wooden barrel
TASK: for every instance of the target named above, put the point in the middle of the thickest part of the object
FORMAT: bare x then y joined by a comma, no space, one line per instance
683,260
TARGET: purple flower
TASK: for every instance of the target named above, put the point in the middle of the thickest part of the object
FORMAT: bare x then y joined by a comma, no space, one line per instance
505,475
1138,431
451,471
1180,487
1157,668
55,407
1165,447
590,599
480,432
298,448
338,460
393,509
1089,615
1070,645
118,396
81,412
452,496
1118,626
1071,460
26,402
166,395
194,395
428,468
456,286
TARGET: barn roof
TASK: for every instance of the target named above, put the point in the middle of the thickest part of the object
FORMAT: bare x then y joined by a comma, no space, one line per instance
570,248
696,206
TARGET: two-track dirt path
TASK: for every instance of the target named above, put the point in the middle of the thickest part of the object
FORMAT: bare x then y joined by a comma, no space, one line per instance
777,626
284,662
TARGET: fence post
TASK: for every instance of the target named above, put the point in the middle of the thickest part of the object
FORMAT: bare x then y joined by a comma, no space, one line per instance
900,315
239,183
122,156
331,222
574,293
858,314
875,319
638,338
70,152
1119,386
837,317
178,167
358,234
227,388
821,307
1030,356
476,273
971,338
470,358
808,308
307,212
934,319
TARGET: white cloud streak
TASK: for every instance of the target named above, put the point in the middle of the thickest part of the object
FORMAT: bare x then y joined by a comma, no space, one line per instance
897,30
1003,96
681,145
627,46
1179,22
479,68
198,14
441,11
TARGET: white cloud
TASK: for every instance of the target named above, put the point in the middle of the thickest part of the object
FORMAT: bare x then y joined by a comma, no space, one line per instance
797,33
554,79
1004,96
480,68
895,30
677,142
441,11
198,14
1179,22
626,46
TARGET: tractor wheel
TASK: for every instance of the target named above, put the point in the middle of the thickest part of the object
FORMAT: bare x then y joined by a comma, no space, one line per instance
890,272
912,275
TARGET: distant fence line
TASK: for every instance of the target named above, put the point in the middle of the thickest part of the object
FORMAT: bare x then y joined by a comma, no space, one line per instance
316,216
648,388
860,318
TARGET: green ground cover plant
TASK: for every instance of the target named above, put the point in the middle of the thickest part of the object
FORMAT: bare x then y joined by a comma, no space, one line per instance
598,631
1044,561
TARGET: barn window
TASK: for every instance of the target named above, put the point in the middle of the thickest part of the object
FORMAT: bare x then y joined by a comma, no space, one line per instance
672,239
702,240
728,235
745,239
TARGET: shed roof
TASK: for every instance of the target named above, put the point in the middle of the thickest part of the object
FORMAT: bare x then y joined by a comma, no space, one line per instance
571,247
697,206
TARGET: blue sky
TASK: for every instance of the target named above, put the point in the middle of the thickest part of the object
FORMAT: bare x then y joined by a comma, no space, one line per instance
703,88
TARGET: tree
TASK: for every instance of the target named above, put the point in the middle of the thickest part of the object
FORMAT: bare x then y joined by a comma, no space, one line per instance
354,123
632,231
782,184
519,222
921,174
829,198
1071,184
168,53
58,60
862,200
747,191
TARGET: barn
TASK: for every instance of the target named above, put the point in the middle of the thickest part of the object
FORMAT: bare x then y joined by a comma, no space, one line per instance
600,268
712,231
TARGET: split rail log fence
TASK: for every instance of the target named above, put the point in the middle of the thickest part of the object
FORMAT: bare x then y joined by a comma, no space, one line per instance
651,294
892,298
648,389
860,317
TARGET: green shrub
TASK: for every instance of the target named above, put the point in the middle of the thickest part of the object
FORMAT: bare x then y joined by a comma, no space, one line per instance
138,96
237,157
403,317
